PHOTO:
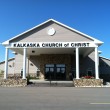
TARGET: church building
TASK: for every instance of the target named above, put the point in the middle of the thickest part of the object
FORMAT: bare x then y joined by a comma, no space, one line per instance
53,50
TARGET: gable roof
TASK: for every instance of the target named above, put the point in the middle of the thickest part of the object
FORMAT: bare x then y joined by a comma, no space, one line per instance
72,29
104,58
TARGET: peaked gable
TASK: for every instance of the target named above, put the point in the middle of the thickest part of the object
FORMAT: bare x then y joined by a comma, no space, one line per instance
63,34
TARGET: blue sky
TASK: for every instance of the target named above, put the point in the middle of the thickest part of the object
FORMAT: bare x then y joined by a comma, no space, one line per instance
91,17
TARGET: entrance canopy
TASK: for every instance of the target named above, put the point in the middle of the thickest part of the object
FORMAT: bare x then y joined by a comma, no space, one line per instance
38,51
52,37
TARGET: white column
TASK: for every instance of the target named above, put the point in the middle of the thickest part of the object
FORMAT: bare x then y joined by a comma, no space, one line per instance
77,63
6,63
96,63
24,64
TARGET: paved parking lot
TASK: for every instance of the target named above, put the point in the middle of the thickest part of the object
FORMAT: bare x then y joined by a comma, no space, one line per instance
54,98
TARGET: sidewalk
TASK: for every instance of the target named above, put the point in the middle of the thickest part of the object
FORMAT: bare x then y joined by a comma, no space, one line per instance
51,83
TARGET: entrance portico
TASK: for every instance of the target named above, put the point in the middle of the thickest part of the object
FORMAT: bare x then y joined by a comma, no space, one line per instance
30,44
76,52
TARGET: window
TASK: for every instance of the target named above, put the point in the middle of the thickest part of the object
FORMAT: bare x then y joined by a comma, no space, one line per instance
49,65
60,65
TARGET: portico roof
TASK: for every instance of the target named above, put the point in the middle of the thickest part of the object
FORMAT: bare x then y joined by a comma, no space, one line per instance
63,33
96,41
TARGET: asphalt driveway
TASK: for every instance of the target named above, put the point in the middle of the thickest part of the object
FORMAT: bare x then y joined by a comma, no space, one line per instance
54,98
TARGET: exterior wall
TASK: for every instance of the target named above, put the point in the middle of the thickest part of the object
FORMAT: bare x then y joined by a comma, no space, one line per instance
38,63
104,68
35,63
40,35
19,64
87,63
11,66
56,59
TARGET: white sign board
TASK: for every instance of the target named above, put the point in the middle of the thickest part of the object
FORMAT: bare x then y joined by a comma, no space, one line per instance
52,44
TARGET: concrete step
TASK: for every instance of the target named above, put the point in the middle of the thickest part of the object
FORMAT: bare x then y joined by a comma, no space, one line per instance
43,83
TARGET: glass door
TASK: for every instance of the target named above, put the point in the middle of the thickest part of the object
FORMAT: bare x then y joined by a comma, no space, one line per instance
49,71
55,71
60,71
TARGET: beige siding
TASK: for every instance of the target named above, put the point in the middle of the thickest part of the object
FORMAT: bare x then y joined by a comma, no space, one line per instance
11,65
19,64
2,65
62,35
34,64
87,63
107,62
104,66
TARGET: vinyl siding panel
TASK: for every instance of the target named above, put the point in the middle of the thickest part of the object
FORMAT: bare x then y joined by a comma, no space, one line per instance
34,64
40,35
19,64
86,63
11,65
104,66
31,66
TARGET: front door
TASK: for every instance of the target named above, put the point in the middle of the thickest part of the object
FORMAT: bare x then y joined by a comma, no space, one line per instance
55,71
